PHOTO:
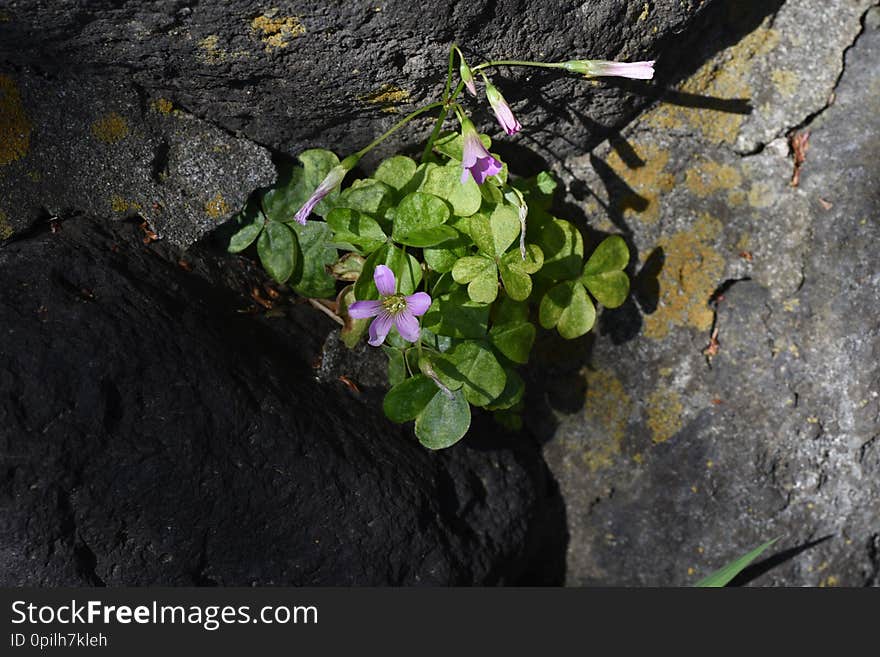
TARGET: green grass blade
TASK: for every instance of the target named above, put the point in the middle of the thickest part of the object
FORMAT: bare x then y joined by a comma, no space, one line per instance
722,576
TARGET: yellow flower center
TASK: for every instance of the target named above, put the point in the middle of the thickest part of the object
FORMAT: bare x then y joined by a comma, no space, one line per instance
394,304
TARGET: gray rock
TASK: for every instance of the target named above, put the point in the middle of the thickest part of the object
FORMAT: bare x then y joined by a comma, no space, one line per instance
673,457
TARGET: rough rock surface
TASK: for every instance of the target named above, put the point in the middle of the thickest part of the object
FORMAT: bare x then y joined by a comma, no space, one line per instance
676,454
152,434
106,92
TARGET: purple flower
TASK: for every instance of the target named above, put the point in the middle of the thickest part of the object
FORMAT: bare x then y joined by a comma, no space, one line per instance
392,309
597,68
330,182
502,111
475,160
467,77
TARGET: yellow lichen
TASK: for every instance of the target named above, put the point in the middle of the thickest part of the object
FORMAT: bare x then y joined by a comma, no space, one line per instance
646,11
708,177
120,204
5,17
690,274
647,182
211,52
607,405
277,32
786,82
721,78
6,229
761,196
15,128
34,176
664,414
829,581
217,207
388,96
162,106
110,128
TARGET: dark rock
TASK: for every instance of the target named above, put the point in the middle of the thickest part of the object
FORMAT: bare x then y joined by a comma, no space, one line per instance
151,434
299,75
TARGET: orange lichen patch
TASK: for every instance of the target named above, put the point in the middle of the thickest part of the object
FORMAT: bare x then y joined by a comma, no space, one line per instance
708,177
15,128
664,414
648,182
723,77
388,96
217,207
690,274
162,106
6,229
608,406
277,32
110,128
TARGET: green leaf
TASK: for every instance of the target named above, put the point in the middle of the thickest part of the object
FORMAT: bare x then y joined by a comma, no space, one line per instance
603,274
567,307
546,183
277,249
427,237
396,171
513,334
311,278
476,368
513,392
252,222
454,314
416,214
505,226
351,333
356,228
445,182
610,288
723,576
450,144
481,275
287,195
396,365
562,245
612,254
444,421
406,268
515,272
317,163
348,268
442,258
368,196
406,400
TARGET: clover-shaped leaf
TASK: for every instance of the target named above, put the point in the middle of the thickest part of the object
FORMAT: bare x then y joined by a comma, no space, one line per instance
396,171
513,392
310,277
278,250
562,245
567,307
407,399
456,315
251,222
369,196
603,274
442,258
419,219
512,334
474,367
357,229
450,144
515,272
444,420
481,276
445,182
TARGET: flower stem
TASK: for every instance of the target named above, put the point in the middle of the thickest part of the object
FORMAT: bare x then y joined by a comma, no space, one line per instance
447,98
517,62
397,126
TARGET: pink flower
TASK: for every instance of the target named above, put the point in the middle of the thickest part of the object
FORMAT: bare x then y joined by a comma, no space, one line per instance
502,111
599,68
475,160
330,182
393,309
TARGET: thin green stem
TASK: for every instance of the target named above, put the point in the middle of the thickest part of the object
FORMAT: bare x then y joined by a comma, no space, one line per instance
517,62
397,126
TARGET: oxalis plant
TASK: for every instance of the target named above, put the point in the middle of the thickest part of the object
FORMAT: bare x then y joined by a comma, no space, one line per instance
445,263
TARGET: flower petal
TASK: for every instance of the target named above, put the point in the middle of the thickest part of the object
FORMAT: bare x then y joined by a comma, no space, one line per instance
379,329
485,167
407,325
385,282
418,303
364,309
